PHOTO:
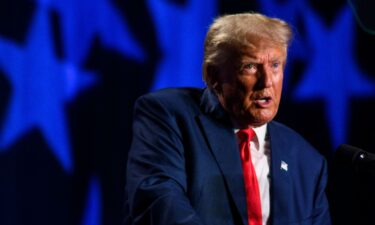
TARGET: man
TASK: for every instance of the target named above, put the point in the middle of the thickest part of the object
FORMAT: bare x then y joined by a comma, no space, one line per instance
215,156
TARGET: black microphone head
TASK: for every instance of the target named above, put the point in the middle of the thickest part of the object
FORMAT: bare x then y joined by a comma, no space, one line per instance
348,154
353,156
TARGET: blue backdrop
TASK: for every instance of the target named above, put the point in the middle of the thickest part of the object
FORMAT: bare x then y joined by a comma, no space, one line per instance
71,70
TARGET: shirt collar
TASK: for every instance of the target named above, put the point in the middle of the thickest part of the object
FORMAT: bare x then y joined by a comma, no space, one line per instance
260,133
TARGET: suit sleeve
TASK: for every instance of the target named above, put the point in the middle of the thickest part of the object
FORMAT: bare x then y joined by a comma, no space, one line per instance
156,176
322,214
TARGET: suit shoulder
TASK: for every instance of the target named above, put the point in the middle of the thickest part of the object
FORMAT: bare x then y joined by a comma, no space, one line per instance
291,137
285,130
174,94
173,98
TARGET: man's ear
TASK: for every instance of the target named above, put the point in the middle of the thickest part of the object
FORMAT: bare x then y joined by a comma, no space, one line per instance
213,78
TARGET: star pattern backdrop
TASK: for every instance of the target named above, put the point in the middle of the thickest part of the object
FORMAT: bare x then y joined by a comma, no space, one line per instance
70,72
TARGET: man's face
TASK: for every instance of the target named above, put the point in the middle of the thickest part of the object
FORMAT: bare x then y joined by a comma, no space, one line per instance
251,94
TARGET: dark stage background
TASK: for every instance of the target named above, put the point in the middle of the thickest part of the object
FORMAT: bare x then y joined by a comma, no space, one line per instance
70,71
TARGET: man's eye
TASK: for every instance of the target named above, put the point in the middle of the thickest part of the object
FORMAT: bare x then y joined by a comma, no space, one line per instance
250,66
275,65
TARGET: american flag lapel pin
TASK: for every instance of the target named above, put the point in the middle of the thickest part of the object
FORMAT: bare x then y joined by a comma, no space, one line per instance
284,166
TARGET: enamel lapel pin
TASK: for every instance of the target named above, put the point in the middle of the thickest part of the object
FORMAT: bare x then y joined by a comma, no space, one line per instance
284,166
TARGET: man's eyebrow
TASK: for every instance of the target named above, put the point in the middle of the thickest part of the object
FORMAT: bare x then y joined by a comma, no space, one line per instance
249,58
258,60
276,59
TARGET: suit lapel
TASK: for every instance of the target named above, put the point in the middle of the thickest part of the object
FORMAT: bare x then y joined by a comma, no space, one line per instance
280,175
223,144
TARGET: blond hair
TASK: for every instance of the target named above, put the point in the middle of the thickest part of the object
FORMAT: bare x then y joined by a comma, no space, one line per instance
230,35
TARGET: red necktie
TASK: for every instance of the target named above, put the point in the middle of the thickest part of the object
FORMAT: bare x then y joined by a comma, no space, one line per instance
254,210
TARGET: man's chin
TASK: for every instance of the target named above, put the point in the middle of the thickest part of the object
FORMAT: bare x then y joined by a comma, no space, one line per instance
252,122
259,121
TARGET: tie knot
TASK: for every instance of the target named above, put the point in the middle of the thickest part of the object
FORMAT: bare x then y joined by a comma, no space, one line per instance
246,134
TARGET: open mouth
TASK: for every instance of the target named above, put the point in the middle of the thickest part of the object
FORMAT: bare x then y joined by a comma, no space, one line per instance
263,101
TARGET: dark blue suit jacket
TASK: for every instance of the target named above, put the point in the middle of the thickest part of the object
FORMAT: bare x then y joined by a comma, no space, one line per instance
184,166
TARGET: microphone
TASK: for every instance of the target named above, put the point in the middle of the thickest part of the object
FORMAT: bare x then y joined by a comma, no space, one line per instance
355,157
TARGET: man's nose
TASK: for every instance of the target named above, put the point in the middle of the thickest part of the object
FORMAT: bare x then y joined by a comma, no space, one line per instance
265,77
